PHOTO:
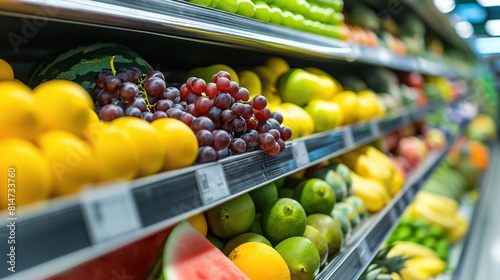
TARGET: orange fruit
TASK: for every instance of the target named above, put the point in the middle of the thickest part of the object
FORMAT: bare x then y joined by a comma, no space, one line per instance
30,177
17,111
147,141
62,105
69,158
244,238
6,72
260,262
199,222
179,143
114,154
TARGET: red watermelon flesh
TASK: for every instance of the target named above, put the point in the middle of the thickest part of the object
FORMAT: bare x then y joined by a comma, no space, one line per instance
188,255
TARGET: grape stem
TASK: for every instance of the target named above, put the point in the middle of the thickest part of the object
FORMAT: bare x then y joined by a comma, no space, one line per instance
144,93
112,64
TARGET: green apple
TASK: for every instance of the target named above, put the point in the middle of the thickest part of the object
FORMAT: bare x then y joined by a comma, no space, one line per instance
201,2
246,8
308,25
283,4
299,86
262,11
276,15
303,8
325,114
316,27
288,19
316,13
338,5
213,3
227,5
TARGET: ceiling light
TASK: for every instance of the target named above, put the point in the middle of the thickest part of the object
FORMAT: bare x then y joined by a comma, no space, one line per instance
487,45
493,27
444,6
488,3
464,29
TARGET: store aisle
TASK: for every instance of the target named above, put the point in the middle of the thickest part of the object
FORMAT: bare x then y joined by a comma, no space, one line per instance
482,256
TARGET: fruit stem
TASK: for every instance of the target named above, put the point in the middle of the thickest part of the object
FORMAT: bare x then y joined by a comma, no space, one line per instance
111,62
143,92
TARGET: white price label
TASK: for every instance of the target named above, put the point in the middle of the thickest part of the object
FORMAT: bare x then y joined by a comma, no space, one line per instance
212,183
348,137
300,154
109,212
364,252
375,129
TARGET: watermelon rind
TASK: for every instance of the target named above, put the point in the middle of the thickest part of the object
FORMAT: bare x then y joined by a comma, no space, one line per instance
81,64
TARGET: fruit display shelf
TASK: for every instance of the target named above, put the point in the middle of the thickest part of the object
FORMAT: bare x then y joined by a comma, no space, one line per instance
186,21
363,246
71,230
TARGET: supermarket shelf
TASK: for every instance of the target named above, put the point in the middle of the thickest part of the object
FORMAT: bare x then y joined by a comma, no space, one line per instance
182,20
440,23
365,243
64,233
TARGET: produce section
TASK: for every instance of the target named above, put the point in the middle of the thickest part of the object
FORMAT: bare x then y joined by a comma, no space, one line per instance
313,125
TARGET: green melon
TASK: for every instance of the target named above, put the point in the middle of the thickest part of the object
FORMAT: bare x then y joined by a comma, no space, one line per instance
81,64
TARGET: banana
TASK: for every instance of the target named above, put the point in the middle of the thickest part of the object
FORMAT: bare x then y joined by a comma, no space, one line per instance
305,121
447,223
397,184
371,192
460,230
367,167
410,249
411,273
431,266
438,202
278,67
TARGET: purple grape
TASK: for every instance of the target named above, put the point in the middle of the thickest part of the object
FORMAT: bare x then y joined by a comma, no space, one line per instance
238,124
147,116
139,103
202,123
174,113
203,105
159,115
242,95
180,107
266,141
248,111
192,110
113,83
110,112
238,146
215,115
238,109
263,127
277,116
259,102
164,105
205,138
128,92
227,116
222,100
274,123
251,138
286,133
104,97
221,140
155,86
206,154
223,153
275,133
187,118
155,74
133,112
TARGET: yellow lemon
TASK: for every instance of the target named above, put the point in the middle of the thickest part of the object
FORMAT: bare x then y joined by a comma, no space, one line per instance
260,261
348,102
199,222
62,105
147,141
17,111
6,72
93,117
179,143
69,158
24,170
113,151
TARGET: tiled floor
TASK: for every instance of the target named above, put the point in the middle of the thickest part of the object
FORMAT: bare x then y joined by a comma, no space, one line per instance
482,256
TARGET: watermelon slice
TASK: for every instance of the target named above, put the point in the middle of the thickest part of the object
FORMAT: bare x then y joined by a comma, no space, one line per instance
188,255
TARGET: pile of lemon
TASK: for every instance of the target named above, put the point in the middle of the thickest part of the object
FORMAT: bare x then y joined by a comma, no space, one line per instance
52,139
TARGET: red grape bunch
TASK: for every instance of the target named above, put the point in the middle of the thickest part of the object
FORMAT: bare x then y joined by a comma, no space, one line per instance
219,112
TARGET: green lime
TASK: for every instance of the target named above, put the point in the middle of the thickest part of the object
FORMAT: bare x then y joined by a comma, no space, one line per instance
345,174
215,241
337,184
422,233
330,229
284,192
285,218
264,196
430,242
436,231
233,217
246,8
201,2
315,236
442,248
243,238
280,182
316,196
406,220
301,257
403,233
256,227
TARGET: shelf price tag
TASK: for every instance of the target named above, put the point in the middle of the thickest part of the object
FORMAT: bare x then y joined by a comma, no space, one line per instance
109,212
375,129
212,183
300,154
348,137
364,252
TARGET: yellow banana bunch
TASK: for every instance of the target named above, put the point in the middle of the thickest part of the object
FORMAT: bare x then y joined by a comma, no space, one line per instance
440,211
367,167
423,262
439,203
372,192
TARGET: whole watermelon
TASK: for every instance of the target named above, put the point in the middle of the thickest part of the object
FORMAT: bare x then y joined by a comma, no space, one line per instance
81,64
